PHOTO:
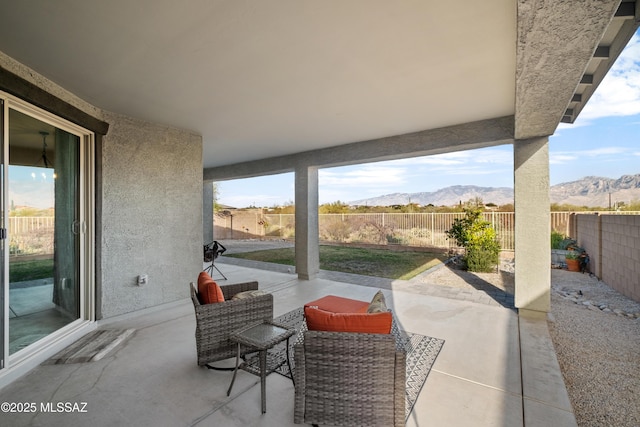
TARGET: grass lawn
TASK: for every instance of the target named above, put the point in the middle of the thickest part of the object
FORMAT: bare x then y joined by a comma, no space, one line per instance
21,271
369,262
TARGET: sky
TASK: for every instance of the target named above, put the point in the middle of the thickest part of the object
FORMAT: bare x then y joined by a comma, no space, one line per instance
604,141
31,186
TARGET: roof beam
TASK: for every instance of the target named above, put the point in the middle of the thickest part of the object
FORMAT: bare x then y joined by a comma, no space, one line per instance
587,79
630,12
24,89
467,136
627,9
601,52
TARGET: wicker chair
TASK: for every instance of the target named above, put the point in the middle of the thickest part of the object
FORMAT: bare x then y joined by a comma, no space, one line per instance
215,322
349,379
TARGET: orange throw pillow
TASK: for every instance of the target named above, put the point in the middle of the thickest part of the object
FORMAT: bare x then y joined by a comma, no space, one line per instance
372,323
208,290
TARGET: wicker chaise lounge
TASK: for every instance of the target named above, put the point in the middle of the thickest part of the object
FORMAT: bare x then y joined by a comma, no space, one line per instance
215,322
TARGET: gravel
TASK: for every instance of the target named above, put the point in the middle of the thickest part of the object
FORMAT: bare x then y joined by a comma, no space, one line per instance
596,334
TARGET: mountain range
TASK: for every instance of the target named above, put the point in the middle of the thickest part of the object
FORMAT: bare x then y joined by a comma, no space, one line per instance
589,191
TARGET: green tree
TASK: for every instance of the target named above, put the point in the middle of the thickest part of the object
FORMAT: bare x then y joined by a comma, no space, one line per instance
335,207
633,205
478,238
287,208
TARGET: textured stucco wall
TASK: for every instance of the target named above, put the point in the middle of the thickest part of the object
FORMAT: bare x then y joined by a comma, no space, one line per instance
556,40
148,205
532,255
151,214
307,235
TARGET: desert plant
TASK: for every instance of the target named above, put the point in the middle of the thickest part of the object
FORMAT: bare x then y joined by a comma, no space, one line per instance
338,231
478,238
572,255
481,260
557,240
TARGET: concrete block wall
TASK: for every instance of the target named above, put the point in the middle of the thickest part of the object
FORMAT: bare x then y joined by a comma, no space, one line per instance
239,225
621,253
619,249
590,236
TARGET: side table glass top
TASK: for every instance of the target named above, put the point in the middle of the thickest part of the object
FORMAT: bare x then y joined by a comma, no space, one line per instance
263,335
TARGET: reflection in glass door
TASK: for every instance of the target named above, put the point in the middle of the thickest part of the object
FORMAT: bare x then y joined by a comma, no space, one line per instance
44,229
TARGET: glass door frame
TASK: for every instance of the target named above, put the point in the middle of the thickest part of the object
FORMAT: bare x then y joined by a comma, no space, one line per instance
87,227
4,241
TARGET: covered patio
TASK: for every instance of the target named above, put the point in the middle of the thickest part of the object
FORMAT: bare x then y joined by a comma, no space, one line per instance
494,368
169,97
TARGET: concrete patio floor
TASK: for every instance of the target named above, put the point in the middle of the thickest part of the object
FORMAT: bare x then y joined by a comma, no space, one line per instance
495,369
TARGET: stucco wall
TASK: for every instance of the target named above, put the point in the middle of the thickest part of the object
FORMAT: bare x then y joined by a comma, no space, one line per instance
151,214
620,250
148,205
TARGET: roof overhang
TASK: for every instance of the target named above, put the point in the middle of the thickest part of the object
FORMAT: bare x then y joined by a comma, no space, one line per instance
264,80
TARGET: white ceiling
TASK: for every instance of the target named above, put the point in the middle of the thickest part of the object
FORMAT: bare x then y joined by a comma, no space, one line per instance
267,78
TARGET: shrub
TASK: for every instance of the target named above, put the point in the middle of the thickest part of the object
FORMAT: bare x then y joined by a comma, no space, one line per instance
572,255
477,236
338,231
481,260
556,240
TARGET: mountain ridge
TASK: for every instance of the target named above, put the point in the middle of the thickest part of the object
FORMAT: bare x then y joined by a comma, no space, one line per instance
591,191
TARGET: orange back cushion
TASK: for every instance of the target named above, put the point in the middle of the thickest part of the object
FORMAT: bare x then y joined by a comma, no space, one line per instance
372,323
208,290
336,304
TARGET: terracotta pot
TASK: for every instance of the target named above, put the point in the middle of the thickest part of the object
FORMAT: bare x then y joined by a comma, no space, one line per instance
573,264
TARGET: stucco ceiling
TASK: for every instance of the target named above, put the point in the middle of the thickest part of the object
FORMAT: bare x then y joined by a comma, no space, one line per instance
266,78
261,79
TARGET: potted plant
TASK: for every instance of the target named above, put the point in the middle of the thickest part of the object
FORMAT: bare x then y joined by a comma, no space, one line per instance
559,243
572,259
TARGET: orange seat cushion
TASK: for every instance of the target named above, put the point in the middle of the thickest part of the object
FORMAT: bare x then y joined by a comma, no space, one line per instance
208,290
372,323
336,304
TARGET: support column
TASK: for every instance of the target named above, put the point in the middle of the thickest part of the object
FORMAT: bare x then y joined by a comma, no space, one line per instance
532,225
207,212
307,235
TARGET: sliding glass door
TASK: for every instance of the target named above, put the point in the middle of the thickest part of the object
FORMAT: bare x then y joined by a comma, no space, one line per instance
46,211
3,239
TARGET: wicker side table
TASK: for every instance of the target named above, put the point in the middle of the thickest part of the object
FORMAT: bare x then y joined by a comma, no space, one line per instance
261,336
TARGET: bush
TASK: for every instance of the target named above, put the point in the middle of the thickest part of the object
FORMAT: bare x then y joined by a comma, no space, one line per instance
482,249
481,260
556,240
337,231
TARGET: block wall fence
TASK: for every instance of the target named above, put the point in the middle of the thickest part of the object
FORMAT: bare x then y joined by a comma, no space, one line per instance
612,239
613,245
